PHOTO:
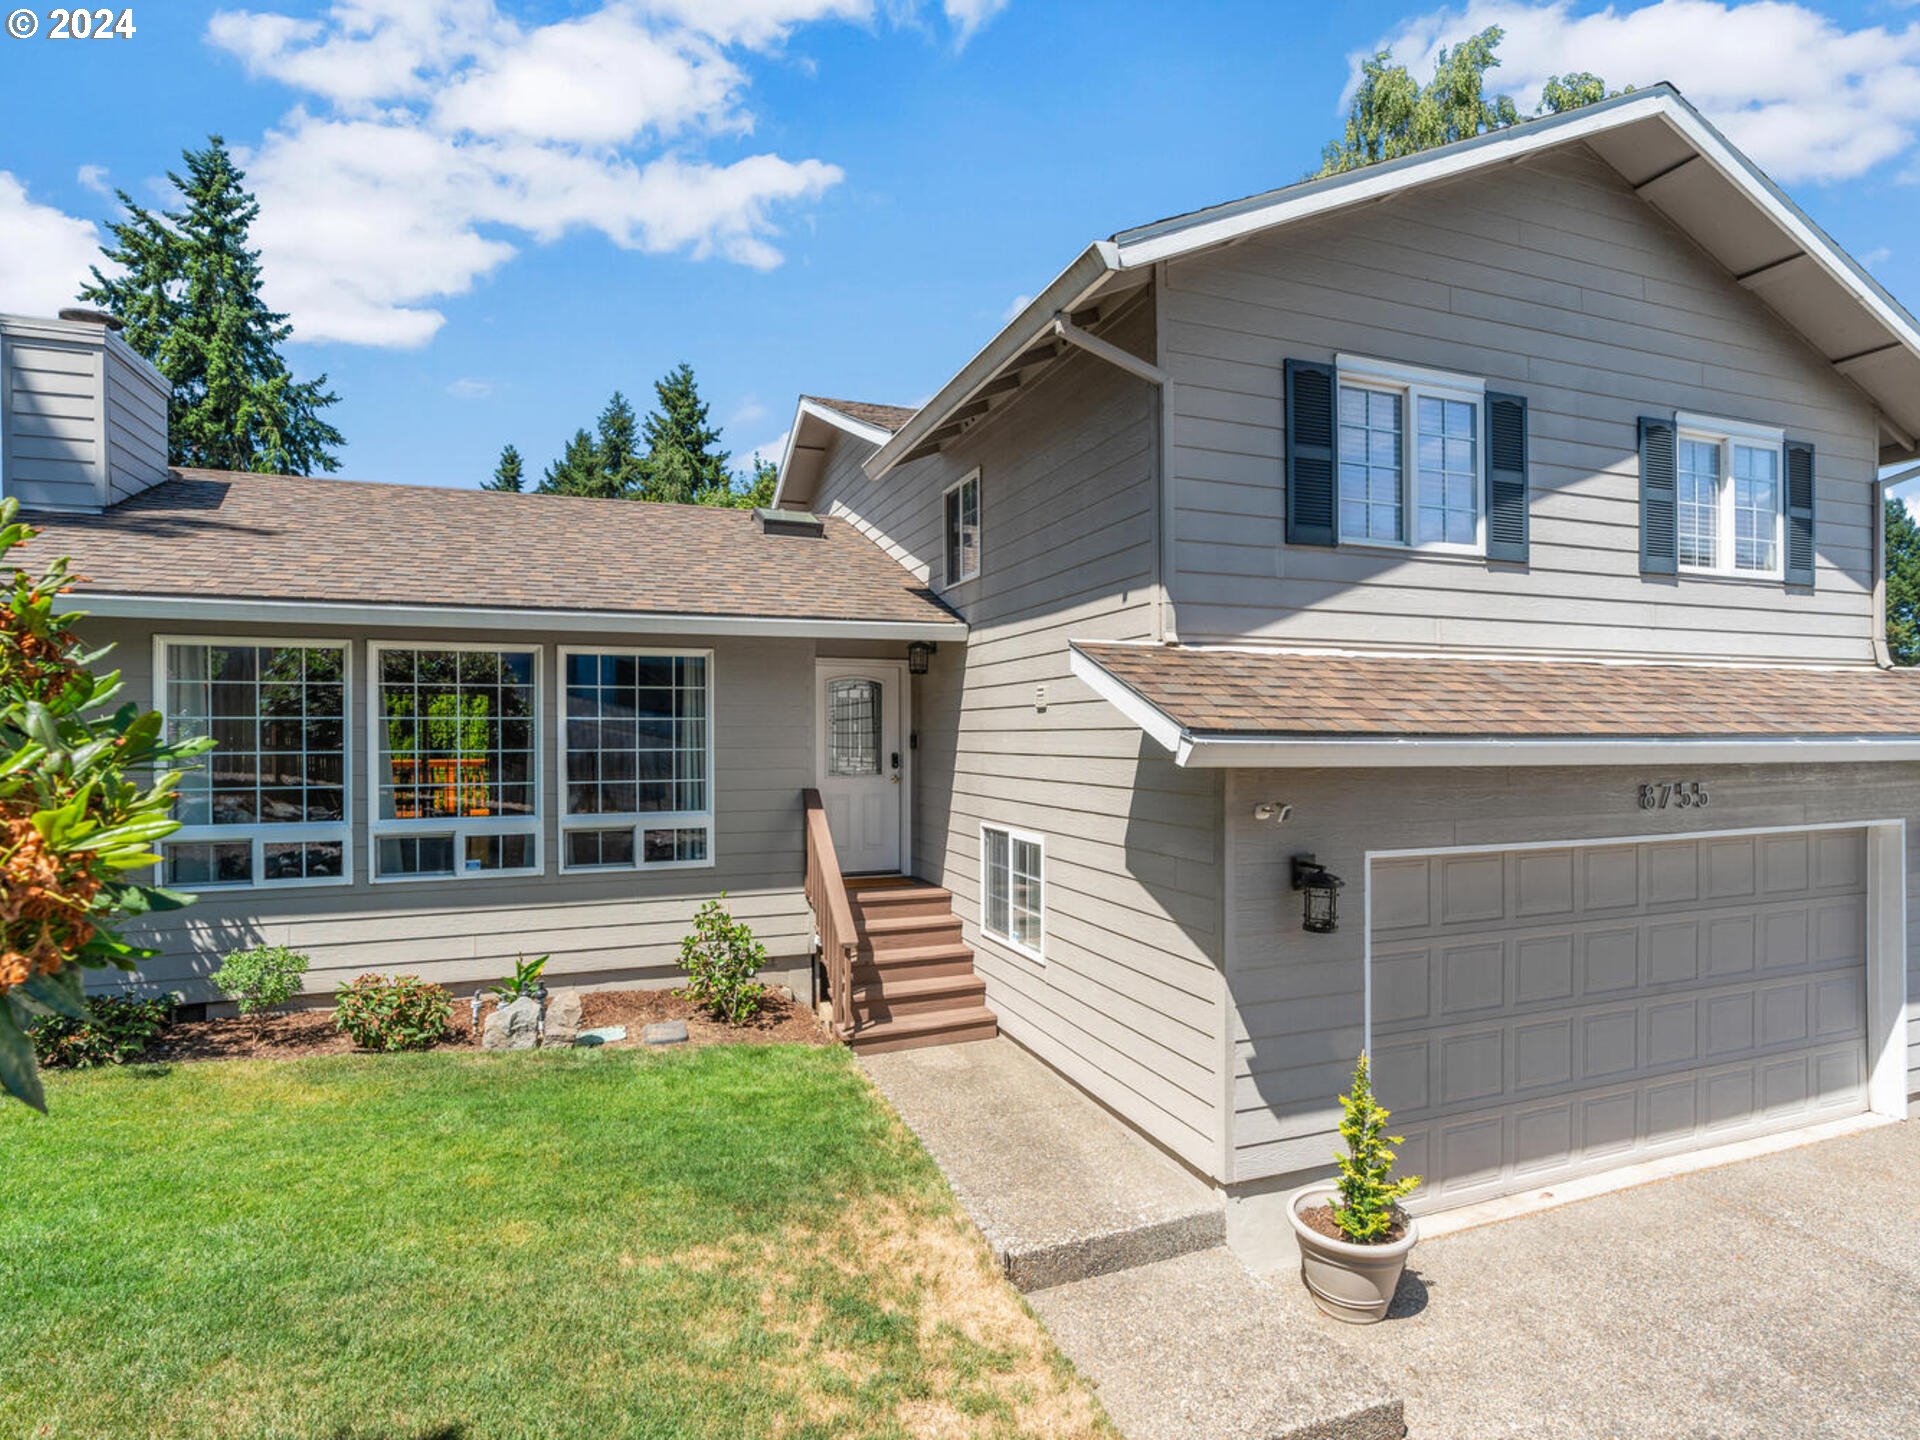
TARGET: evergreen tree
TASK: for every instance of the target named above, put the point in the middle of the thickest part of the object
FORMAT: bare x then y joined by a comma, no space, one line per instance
187,288
1393,114
620,463
509,474
1903,584
577,471
759,491
683,462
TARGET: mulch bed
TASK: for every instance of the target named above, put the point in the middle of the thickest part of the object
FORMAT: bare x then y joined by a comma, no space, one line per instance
1319,1219
311,1032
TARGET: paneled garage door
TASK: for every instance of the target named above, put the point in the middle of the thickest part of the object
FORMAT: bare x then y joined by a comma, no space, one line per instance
1540,1013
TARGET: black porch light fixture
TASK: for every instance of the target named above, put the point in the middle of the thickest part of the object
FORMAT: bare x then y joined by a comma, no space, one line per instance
1321,914
919,654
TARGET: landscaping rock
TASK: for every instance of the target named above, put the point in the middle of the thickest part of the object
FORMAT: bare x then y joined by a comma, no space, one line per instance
605,1035
667,1032
563,1018
512,1027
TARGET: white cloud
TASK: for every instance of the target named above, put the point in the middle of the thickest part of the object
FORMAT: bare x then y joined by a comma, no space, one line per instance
968,16
46,254
466,388
1014,307
94,178
1877,257
771,452
1806,98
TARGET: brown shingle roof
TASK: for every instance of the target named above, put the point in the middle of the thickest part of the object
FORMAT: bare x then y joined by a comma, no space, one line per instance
887,417
218,534
1229,692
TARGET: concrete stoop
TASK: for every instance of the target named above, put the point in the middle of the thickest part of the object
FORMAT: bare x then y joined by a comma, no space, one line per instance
1122,1254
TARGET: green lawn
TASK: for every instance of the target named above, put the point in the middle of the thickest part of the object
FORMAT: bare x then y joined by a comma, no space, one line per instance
734,1241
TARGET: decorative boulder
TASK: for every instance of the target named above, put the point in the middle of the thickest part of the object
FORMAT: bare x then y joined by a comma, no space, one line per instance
563,1018
665,1032
512,1027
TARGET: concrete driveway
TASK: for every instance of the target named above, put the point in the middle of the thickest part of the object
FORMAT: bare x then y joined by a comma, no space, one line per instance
1774,1297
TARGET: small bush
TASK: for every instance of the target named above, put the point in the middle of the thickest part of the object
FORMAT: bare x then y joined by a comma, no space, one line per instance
1368,1194
721,959
261,979
392,1012
524,981
121,1029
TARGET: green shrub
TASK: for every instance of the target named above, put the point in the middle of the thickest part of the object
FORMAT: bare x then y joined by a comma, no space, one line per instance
261,979
392,1012
121,1029
721,959
1368,1194
525,980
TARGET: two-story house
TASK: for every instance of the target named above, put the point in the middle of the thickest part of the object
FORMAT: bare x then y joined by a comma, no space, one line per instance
1434,610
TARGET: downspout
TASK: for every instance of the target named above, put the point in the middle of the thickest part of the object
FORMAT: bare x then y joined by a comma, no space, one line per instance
1882,656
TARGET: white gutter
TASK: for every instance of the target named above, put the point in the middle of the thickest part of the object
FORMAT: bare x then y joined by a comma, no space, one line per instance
490,618
1269,752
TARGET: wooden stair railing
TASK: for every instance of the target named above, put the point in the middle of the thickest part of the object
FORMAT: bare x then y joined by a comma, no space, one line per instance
832,916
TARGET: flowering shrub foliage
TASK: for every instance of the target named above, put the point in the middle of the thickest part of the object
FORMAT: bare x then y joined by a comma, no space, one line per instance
84,794
392,1012
119,1029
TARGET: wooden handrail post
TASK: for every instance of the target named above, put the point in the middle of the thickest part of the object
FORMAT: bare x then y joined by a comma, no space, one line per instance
826,892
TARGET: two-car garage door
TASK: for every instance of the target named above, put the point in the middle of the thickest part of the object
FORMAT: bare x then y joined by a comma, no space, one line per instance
1538,1013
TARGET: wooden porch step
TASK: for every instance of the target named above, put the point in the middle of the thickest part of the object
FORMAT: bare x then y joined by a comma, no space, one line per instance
912,1032
906,932
895,996
913,961
893,902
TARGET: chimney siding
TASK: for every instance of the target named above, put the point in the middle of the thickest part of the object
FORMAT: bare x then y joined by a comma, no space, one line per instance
83,419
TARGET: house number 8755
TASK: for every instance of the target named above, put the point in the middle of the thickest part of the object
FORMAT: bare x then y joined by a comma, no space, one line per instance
1667,794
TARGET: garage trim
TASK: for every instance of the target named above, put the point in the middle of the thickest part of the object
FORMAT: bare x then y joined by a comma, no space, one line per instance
1886,932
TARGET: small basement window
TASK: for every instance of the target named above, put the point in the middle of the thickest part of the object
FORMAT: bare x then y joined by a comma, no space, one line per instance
1012,887
962,509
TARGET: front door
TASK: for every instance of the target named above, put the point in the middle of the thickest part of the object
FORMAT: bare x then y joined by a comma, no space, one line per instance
857,719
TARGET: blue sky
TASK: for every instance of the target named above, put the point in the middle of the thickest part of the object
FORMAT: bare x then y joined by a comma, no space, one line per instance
485,215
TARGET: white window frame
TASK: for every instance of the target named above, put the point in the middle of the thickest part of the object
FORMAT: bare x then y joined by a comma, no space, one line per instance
1414,384
1726,434
1036,953
459,829
948,579
639,822
259,835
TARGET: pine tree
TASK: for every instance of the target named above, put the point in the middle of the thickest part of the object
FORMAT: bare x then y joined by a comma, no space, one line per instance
683,463
187,287
1903,584
759,491
509,474
577,471
620,462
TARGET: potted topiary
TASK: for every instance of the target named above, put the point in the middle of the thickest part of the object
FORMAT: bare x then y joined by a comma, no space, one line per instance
1354,1237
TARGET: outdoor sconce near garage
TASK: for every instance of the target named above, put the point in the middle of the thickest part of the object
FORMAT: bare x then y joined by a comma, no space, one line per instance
919,653
1322,889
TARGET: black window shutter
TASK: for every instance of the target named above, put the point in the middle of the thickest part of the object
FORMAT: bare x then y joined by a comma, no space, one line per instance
1312,453
1799,468
1506,477
1659,536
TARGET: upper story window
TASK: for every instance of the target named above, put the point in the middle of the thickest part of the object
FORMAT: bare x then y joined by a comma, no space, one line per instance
1420,490
1729,500
961,507
639,759
268,806
455,779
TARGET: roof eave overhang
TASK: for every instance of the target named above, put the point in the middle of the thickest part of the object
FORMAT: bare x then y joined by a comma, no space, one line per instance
810,420
236,610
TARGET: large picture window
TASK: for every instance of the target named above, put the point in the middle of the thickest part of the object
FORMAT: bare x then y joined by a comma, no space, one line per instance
1012,888
1731,500
1411,468
268,805
638,759
456,775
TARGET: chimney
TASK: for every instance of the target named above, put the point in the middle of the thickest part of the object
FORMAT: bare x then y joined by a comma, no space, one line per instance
83,419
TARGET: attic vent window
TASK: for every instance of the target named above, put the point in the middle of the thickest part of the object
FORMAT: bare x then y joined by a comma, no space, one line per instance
790,522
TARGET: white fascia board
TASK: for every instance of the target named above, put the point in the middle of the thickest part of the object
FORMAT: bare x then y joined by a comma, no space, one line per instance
813,410
1160,727
489,619
1273,752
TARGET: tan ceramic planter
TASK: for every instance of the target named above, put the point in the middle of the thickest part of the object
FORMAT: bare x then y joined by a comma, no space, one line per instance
1354,1283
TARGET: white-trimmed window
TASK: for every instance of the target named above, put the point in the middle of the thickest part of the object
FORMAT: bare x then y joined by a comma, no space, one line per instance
638,759
960,508
456,774
1013,888
1731,498
268,806
1412,468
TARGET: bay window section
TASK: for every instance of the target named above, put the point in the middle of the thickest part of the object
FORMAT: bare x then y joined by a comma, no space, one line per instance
1731,511
456,774
268,805
638,759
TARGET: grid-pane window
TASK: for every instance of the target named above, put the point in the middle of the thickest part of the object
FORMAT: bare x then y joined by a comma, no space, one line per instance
1012,887
1756,508
963,530
1370,465
456,778
639,750
1447,482
853,727
268,805
1698,480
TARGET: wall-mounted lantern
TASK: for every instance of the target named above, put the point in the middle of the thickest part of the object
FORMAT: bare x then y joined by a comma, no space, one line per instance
919,653
1321,886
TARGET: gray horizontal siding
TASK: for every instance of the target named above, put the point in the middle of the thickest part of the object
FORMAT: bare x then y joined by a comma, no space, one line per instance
136,426
1551,280
50,393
